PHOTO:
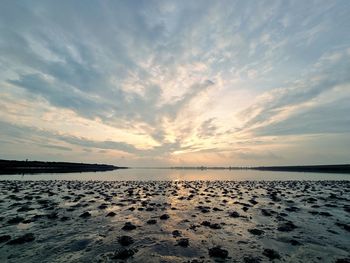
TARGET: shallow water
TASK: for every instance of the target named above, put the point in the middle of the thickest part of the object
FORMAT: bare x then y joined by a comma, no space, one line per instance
174,175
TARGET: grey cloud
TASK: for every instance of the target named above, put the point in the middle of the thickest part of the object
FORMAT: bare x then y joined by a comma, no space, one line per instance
207,129
61,95
108,145
257,156
276,100
56,147
322,119
42,137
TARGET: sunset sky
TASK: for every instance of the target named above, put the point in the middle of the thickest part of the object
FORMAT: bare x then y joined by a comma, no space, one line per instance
157,83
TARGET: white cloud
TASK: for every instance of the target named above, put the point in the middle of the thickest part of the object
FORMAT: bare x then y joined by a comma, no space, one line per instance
163,78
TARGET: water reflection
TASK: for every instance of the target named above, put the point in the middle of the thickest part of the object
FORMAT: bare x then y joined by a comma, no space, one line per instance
178,175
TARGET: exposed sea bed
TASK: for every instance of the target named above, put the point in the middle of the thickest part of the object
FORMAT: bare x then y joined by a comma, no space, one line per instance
174,221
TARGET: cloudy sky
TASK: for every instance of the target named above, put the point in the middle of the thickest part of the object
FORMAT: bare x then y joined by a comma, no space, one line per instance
153,83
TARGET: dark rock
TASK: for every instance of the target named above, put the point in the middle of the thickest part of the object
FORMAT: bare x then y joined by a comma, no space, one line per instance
176,233
265,212
25,209
325,214
294,242
330,205
311,200
251,259
123,253
85,215
215,226
292,209
286,227
256,231
274,197
15,220
183,242
23,239
314,212
344,226
332,231
125,240
271,254
36,217
283,214
245,209
152,222
195,261
53,215
4,238
253,201
205,223
164,217
218,252
111,214
234,214
343,260
128,226
102,206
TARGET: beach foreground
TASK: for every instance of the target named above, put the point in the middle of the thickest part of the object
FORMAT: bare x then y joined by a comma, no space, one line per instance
174,221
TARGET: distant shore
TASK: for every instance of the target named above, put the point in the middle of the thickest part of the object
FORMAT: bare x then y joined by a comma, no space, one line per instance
22,167
19,167
335,168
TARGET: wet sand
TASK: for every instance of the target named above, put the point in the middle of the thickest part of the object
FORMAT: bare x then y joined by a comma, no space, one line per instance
175,221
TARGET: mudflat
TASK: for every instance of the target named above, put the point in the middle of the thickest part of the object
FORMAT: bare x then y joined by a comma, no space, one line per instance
175,221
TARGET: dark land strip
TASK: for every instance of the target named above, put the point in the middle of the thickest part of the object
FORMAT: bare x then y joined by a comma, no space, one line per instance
19,167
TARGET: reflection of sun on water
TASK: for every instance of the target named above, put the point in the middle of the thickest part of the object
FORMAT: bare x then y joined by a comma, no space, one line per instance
180,192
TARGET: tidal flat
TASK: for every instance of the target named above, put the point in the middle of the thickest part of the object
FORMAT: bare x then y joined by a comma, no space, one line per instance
174,221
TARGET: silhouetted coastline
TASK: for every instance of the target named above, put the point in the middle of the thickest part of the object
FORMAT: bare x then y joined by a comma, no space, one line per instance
336,168
19,167
22,167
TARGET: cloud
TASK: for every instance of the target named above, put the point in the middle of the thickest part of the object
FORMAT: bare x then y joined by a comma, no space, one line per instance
208,128
163,78
42,137
280,104
57,147
316,118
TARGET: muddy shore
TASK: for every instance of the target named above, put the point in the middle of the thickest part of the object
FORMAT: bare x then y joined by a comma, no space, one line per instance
174,221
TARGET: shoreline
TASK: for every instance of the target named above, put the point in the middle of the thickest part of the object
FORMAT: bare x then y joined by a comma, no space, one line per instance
35,167
333,168
31,167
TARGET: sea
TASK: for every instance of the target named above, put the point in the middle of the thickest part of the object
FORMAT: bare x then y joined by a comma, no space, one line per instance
142,174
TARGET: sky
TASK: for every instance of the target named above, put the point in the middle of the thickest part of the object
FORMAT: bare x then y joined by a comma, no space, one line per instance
175,83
